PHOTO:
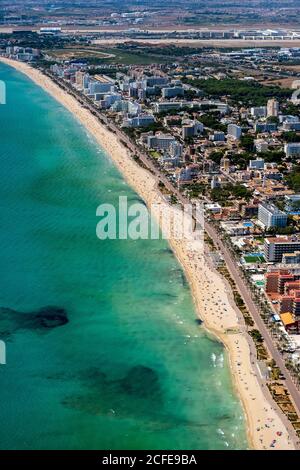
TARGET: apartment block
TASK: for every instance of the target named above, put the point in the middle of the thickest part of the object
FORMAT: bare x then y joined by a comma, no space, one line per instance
275,248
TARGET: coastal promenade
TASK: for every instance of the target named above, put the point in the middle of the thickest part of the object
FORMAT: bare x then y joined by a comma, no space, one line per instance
234,270
267,426
245,293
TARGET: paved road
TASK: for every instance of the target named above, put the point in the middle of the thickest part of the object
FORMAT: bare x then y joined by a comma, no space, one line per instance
232,266
245,293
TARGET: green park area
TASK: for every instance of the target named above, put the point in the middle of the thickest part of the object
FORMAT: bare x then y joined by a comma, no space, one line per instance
254,259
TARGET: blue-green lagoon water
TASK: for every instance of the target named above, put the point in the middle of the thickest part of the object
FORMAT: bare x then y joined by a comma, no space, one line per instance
131,369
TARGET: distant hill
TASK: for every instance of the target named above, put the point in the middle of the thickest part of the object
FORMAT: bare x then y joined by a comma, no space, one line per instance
154,13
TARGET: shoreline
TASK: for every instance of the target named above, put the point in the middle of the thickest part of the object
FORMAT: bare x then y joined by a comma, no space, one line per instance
211,294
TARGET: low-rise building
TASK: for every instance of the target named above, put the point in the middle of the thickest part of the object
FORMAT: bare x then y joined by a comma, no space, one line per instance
261,146
292,149
291,258
217,136
265,127
172,92
259,112
257,164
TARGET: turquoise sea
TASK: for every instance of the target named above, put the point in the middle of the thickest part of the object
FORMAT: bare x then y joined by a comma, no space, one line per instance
131,368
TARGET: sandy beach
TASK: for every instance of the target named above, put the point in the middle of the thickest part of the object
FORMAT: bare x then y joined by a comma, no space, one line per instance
212,295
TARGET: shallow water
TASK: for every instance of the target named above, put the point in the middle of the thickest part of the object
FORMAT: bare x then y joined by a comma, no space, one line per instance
130,368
